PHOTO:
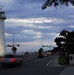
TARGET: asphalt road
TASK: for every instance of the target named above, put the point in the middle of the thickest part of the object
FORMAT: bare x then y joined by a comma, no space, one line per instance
32,66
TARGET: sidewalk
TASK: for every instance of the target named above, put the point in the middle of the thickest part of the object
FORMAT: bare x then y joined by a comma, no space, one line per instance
67,71
54,62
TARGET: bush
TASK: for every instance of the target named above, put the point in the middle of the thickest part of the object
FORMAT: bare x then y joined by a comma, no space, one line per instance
62,59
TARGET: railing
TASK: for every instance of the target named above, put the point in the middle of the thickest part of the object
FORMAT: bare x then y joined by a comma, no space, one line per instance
2,16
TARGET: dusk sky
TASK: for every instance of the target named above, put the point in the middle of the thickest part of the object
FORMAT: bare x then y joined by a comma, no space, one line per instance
32,25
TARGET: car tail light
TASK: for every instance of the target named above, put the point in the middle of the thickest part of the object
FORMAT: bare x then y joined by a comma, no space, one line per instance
12,59
0,59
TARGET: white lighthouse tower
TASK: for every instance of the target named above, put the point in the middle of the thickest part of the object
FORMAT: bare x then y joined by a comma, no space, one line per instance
2,32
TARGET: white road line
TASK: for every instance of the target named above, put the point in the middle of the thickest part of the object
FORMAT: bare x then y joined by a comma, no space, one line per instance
49,62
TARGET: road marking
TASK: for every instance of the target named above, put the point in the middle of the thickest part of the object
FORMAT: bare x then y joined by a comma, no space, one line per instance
50,62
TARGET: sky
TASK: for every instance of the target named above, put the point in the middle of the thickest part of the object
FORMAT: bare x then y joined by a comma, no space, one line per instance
32,26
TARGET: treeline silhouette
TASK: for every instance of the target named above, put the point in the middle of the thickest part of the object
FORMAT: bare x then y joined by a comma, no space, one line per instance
65,42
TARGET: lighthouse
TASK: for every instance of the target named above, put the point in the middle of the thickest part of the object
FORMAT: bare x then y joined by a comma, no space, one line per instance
2,32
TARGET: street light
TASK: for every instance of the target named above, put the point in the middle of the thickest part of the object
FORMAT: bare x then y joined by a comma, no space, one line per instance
13,45
13,39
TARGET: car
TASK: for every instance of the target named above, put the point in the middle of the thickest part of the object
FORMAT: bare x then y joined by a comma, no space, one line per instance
11,59
45,55
40,55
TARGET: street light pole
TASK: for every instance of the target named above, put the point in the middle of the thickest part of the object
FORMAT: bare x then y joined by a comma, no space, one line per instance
13,39
41,44
13,45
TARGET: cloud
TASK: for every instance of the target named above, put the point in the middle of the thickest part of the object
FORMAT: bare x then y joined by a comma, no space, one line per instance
6,2
31,24
72,26
32,21
32,33
31,29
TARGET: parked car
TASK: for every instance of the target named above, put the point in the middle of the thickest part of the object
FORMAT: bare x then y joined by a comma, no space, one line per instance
11,59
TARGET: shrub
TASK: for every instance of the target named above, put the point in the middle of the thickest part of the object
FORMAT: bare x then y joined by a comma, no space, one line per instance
62,59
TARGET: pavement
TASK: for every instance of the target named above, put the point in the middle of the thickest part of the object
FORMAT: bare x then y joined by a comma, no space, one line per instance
69,70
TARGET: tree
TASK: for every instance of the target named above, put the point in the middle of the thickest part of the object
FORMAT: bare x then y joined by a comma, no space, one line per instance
14,49
55,3
66,43
40,50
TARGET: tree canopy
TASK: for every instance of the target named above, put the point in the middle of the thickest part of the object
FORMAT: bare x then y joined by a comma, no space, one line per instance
66,42
55,3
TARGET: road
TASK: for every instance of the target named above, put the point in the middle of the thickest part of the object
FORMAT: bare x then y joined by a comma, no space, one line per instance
32,66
